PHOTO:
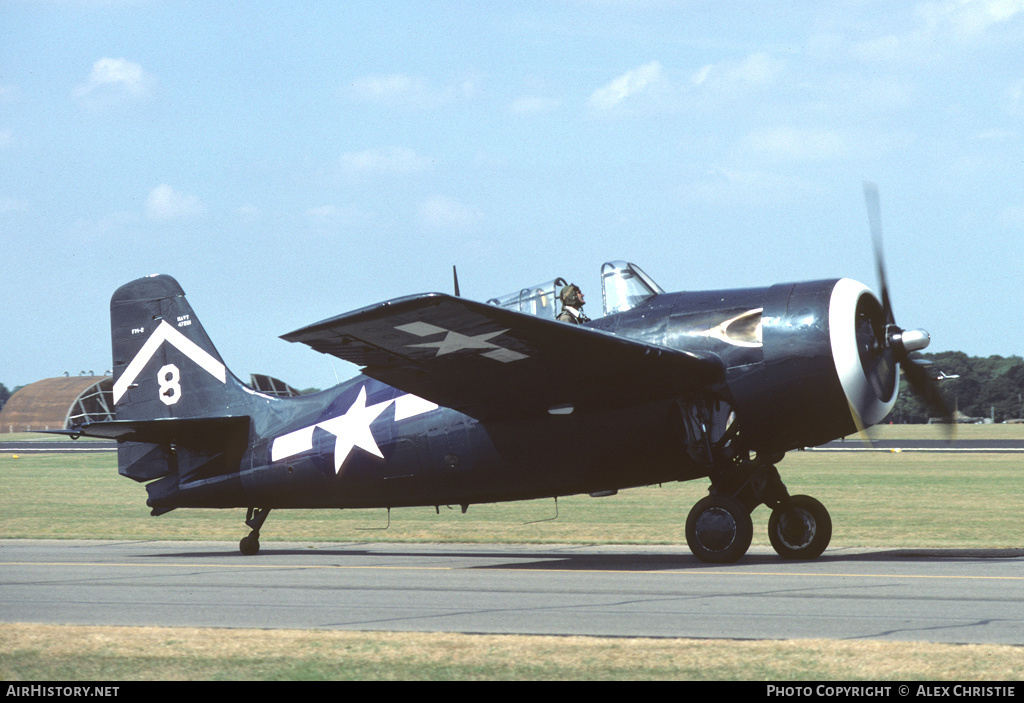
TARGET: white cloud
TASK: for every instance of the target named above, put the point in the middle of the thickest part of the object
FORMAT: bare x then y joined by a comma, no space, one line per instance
9,94
793,144
410,91
111,79
531,105
389,87
334,216
249,213
754,71
1012,216
996,134
628,84
392,160
968,17
941,27
731,186
165,203
1014,96
106,229
11,205
439,213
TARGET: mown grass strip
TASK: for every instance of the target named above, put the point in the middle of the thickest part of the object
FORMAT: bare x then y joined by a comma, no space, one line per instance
45,652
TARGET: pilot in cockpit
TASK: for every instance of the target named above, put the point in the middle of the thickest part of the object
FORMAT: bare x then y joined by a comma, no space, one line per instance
572,305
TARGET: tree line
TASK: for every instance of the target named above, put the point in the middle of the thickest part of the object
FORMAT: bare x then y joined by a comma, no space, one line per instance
985,388
976,388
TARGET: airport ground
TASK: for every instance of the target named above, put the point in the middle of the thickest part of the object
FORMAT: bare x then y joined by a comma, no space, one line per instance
882,500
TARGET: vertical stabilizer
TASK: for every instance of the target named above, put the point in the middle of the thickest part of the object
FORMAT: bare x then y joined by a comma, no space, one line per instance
164,362
184,416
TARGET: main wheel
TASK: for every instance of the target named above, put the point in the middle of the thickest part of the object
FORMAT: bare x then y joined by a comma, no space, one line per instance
800,528
719,529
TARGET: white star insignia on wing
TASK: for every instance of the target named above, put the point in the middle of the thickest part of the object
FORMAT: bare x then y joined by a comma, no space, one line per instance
453,341
456,341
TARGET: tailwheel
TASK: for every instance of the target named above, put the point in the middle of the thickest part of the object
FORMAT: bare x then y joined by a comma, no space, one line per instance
800,528
719,529
249,545
254,518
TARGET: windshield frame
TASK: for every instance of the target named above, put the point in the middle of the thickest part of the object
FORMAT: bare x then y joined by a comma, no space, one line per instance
624,286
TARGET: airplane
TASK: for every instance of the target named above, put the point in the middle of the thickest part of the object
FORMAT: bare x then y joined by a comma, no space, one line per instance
461,402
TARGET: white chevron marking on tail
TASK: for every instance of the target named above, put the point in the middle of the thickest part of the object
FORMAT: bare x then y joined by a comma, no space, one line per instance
165,333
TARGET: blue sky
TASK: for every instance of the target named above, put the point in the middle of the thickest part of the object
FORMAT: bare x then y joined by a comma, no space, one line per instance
287,162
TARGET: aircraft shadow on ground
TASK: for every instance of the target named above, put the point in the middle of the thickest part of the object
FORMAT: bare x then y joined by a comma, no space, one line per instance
559,560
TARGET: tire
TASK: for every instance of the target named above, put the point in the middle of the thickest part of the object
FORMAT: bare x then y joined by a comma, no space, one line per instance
249,545
719,529
800,528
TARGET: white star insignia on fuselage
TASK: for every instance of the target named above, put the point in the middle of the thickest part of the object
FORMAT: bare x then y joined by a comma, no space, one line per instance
350,430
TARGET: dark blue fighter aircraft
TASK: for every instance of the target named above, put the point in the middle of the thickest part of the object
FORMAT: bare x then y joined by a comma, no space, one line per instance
462,402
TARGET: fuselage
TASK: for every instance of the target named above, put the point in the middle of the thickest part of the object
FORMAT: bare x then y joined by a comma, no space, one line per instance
365,444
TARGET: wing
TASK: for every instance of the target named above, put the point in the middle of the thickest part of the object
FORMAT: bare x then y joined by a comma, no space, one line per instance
488,362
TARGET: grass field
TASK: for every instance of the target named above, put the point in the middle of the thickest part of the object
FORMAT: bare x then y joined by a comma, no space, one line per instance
888,500
877,499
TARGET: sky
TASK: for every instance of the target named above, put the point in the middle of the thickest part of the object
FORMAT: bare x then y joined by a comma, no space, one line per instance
287,162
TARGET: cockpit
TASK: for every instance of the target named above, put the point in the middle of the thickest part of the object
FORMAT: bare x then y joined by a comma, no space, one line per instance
540,300
623,287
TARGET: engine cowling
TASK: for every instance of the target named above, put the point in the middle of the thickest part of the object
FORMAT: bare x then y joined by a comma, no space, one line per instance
826,369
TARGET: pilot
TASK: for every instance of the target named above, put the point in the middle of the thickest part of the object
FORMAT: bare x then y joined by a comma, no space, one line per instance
572,304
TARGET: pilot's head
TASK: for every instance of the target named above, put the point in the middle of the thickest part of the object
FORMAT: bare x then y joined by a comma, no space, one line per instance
572,296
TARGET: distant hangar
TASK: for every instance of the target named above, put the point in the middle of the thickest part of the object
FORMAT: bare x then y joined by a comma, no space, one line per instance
58,403
62,402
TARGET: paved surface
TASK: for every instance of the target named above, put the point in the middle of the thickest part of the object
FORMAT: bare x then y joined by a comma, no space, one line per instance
957,596
987,446
58,446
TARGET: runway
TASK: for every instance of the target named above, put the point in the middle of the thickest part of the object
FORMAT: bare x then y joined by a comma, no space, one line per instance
951,596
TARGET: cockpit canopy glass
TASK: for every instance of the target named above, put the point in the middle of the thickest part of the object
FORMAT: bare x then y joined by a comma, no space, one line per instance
540,300
624,286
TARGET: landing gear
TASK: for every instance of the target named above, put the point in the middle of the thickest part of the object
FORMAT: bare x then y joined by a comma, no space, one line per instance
254,518
800,528
719,529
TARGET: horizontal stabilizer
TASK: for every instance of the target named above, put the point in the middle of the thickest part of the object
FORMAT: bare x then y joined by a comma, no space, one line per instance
170,430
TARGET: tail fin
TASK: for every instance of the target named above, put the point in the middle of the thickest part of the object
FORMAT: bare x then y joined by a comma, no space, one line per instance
164,362
181,415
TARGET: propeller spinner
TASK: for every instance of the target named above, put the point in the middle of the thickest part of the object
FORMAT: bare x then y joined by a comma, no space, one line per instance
883,343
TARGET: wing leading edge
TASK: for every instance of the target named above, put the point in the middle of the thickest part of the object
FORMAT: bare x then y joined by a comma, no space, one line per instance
488,362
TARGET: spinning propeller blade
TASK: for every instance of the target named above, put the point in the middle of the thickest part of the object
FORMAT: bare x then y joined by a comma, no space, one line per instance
875,220
897,340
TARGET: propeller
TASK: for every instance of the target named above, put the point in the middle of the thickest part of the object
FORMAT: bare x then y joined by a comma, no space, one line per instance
886,343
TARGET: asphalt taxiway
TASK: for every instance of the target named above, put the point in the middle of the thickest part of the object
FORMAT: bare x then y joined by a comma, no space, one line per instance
953,596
